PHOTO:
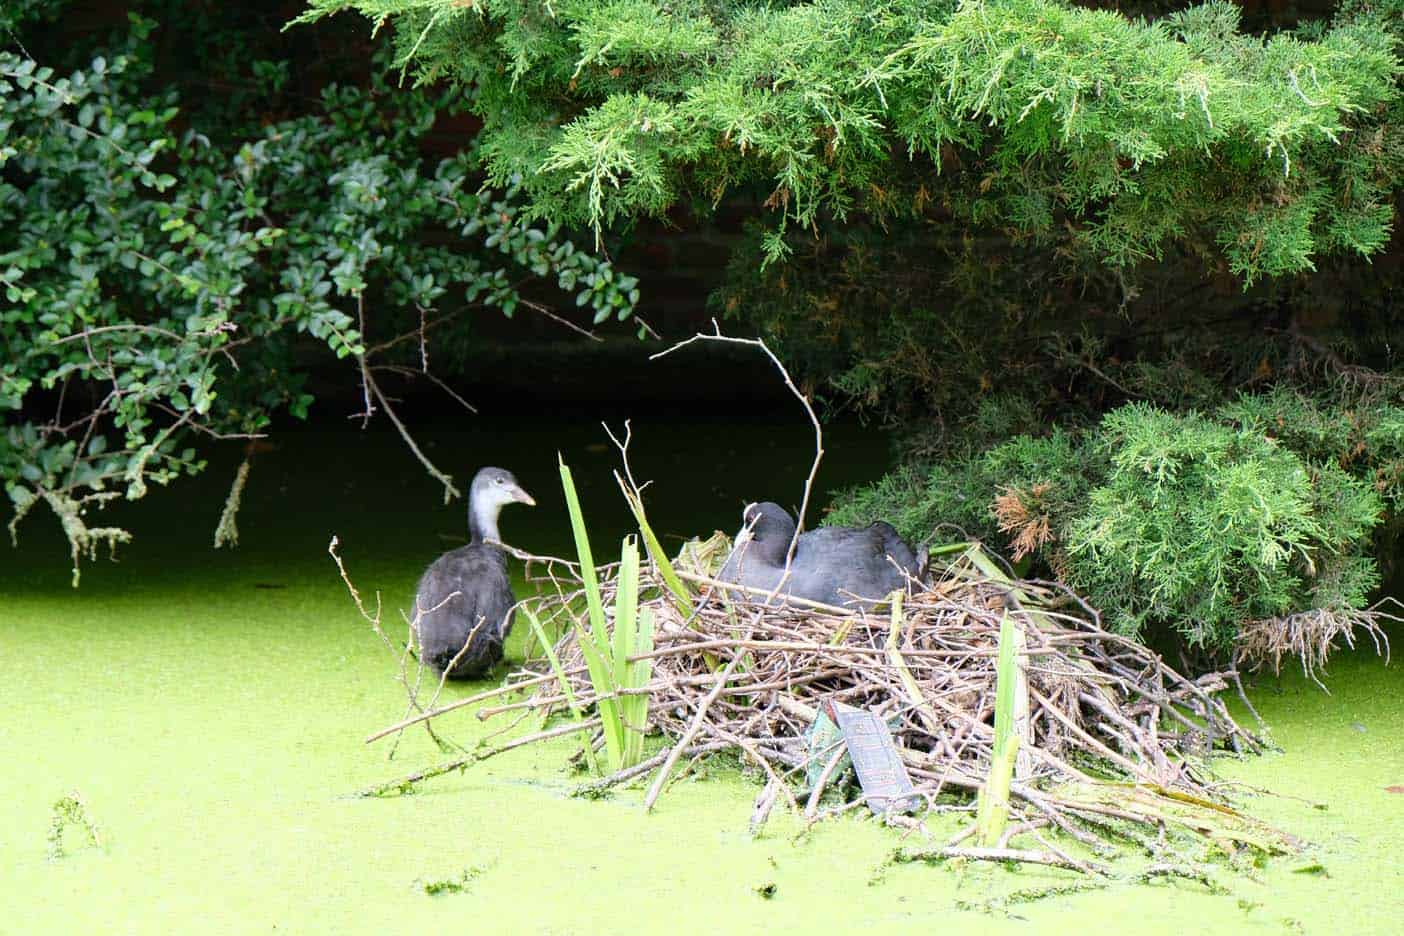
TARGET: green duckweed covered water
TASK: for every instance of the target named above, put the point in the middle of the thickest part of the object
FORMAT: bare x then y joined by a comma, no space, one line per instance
210,708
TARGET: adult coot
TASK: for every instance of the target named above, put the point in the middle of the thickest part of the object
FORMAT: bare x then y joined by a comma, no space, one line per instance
845,566
464,597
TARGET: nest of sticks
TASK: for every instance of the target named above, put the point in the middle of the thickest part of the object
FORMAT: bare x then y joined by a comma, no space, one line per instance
1114,741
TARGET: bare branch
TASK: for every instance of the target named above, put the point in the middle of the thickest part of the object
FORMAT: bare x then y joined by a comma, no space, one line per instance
804,401
538,307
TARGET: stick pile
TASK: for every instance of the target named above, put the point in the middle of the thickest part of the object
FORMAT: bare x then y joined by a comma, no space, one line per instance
1094,698
1113,739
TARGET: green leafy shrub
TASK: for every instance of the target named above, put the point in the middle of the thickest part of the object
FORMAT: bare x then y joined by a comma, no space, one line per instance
162,290
1364,438
1202,526
1166,522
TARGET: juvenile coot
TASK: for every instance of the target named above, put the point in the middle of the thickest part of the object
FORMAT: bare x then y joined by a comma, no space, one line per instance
478,614
844,566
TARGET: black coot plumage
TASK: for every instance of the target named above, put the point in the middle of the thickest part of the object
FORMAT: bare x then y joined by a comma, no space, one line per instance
844,566
478,615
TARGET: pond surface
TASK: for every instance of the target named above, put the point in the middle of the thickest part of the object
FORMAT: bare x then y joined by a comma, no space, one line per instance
210,707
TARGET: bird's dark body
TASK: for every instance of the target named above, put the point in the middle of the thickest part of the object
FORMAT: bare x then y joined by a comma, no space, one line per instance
844,566
843,562
463,603
478,572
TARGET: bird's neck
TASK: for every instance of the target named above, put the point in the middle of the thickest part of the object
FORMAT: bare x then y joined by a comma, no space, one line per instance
482,524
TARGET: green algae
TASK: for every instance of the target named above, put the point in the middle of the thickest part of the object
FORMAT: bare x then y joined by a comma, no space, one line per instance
70,812
214,725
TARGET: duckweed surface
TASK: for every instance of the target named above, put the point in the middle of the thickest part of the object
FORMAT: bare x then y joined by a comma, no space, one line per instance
210,707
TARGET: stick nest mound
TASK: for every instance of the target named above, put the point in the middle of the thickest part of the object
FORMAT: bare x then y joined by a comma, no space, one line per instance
1114,742
1096,701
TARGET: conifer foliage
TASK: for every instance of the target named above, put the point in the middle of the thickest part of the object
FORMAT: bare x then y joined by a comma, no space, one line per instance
1064,125
1187,523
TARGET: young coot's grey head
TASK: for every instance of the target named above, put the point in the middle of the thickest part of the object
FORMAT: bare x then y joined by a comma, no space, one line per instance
491,490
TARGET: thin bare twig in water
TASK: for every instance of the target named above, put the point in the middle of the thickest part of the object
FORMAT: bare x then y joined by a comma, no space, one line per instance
595,787
470,700
448,668
1021,855
765,803
412,692
406,782
815,794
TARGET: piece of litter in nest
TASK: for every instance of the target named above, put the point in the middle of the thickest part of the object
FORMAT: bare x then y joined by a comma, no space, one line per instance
881,773
822,738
